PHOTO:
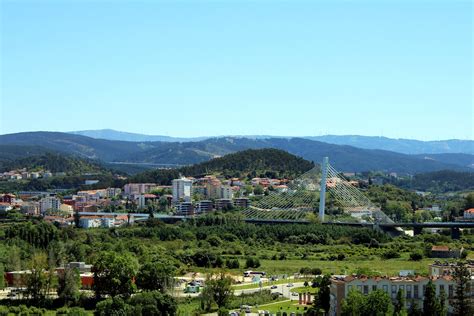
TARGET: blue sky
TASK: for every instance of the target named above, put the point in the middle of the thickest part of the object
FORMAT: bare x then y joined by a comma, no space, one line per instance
189,68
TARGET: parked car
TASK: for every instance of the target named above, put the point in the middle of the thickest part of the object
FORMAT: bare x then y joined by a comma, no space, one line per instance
289,285
294,294
274,287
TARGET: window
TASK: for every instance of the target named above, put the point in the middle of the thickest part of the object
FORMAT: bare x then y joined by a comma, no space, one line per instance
359,288
394,291
385,288
415,291
366,289
374,287
451,291
408,291
441,288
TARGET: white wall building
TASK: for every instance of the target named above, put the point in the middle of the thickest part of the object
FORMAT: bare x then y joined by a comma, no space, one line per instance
182,189
49,204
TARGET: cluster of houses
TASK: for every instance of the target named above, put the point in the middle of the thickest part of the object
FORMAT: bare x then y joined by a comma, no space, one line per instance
25,174
185,197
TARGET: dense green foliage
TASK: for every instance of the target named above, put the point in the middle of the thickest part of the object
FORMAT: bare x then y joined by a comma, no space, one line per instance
54,162
440,181
271,163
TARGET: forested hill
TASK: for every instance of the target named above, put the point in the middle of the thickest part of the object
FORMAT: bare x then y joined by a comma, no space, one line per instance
441,181
54,162
249,163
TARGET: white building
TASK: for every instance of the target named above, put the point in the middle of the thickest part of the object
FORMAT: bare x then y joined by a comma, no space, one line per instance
469,214
138,188
141,201
50,203
182,189
89,222
226,192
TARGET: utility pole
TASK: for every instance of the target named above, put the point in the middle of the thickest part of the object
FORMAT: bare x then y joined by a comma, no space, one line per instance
322,195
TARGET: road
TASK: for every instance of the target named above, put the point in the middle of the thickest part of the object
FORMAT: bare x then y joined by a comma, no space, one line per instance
281,288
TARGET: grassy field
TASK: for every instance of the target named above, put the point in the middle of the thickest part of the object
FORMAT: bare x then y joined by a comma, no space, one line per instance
384,267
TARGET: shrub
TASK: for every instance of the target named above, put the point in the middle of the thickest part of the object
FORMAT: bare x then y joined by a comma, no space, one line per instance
390,254
416,256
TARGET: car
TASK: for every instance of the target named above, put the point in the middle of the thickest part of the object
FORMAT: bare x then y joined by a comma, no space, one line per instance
274,287
294,294
289,285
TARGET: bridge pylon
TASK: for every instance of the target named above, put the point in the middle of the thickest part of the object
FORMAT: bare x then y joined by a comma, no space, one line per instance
322,192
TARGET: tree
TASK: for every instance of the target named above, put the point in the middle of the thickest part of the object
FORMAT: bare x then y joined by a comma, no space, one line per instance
114,273
443,309
414,310
219,289
68,285
378,303
115,306
252,262
430,303
156,276
153,303
322,300
462,304
469,203
353,304
2,276
258,190
37,280
400,302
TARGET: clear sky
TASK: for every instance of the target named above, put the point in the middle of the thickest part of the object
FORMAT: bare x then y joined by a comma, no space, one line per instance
195,68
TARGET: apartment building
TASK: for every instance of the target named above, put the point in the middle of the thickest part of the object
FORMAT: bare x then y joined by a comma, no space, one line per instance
182,190
49,204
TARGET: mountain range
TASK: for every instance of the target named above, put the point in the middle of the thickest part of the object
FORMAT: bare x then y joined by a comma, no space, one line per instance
404,146
342,157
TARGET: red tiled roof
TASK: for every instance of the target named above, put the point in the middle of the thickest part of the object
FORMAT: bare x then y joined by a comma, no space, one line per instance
440,248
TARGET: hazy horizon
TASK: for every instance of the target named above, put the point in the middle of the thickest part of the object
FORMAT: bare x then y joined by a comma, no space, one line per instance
238,135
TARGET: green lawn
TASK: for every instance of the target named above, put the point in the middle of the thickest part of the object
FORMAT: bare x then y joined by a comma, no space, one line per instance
285,306
304,289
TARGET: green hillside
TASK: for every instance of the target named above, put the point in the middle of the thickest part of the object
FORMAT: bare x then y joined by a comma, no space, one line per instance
54,162
248,163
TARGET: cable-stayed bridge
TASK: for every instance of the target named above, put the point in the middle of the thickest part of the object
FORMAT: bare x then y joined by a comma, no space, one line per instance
306,195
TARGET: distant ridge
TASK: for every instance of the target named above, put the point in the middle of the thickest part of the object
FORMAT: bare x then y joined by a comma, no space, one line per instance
343,157
111,134
404,146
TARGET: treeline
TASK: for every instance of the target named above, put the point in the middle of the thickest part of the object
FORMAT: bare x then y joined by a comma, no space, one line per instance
54,162
272,163
73,182
440,181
